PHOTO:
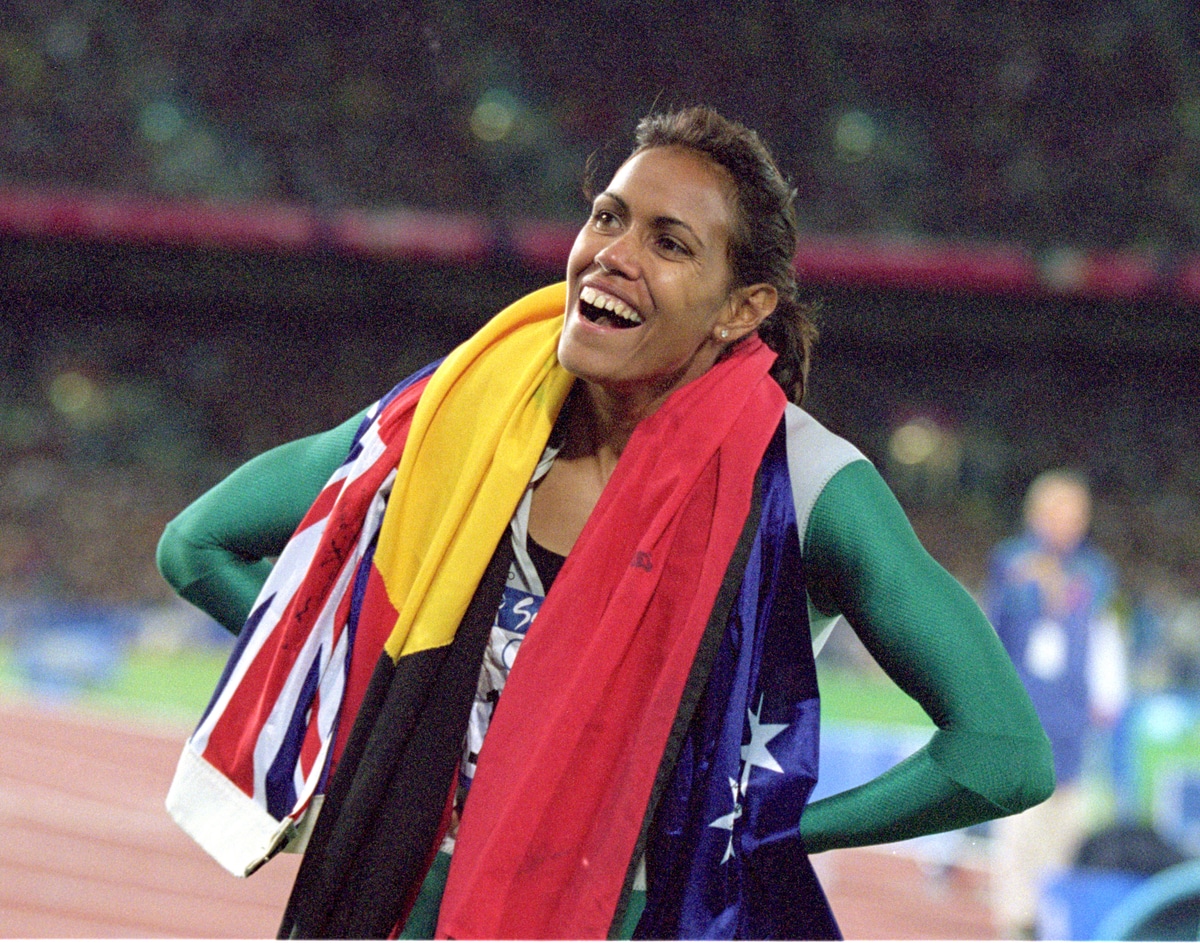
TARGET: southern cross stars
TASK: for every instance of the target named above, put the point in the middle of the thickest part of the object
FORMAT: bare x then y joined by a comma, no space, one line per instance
726,821
754,753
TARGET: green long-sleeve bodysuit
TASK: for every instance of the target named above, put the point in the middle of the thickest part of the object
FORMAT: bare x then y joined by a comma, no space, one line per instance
987,758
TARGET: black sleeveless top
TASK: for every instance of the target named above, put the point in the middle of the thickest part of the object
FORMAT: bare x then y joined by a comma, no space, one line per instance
546,562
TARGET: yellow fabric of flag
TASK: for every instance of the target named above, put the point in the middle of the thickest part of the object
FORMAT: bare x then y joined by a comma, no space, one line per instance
477,434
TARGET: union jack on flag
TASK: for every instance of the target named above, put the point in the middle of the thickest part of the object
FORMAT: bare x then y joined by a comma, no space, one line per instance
270,737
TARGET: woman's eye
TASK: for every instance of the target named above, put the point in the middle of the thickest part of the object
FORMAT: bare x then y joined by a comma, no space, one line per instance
604,218
673,245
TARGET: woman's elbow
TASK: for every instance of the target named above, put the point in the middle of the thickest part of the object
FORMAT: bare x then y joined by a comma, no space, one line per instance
1038,782
171,556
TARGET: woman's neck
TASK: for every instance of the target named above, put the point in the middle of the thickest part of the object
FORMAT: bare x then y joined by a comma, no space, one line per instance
590,442
600,421
599,424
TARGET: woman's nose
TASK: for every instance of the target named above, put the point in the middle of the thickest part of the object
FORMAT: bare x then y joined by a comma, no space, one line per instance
619,256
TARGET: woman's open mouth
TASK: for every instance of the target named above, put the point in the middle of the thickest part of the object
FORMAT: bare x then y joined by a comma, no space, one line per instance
601,308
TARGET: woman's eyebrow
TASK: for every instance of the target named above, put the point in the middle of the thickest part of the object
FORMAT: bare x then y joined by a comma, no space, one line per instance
609,195
667,222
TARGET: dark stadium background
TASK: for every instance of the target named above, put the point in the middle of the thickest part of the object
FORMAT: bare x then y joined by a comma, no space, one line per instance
224,225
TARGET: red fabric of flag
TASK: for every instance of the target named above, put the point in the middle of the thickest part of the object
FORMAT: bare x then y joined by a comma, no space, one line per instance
566,771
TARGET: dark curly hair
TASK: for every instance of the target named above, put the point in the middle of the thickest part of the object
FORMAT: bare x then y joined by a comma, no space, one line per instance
762,246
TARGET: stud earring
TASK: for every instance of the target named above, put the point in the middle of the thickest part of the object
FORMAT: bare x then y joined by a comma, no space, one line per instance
724,333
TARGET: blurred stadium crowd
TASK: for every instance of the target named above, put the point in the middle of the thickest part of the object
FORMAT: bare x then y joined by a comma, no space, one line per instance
1044,124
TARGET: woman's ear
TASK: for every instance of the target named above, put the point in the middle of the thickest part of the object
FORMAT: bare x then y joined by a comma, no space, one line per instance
748,308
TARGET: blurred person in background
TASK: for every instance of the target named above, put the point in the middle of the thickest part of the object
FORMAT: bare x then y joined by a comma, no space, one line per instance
1049,596
624,458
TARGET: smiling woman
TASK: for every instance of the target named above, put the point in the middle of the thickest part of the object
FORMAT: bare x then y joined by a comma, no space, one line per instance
538,657
654,259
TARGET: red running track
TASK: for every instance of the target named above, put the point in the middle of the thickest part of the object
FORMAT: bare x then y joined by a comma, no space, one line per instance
87,849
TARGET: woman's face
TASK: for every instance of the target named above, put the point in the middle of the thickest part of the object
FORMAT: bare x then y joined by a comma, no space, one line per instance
648,278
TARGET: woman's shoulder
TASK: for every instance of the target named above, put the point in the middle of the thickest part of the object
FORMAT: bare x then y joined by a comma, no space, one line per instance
812,445
815,455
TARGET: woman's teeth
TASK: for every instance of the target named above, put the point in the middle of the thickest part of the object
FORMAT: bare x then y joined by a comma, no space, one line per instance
608,305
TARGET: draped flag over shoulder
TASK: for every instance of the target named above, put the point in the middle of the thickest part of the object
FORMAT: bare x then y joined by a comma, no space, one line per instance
282,709
575,744
725,859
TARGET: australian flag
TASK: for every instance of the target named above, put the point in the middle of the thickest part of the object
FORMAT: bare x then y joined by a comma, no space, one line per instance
725,859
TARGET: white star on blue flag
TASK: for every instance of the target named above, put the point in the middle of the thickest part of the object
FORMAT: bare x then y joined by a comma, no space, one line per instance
754,753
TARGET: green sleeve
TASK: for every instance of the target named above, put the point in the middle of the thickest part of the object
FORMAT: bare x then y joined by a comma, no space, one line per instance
989,756
218,551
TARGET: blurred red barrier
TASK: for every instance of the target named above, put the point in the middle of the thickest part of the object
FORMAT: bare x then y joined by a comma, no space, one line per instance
866,261
1113,274
106,217
411,234
897,263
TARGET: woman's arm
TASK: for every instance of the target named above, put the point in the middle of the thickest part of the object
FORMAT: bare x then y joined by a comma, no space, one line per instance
989,756
217,552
